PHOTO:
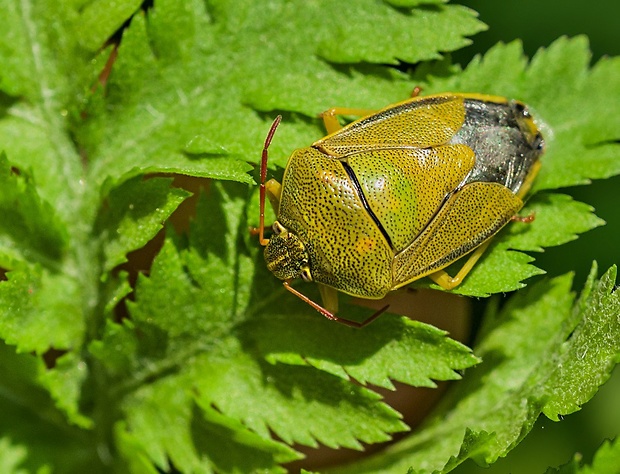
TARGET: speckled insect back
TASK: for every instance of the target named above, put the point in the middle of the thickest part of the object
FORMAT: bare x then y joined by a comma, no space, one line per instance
399,194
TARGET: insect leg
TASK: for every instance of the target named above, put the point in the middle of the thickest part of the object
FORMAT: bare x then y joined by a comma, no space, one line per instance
525,219
447,282
330,116
331,122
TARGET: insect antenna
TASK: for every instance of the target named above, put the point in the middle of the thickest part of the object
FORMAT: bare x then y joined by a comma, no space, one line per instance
263,178
331,316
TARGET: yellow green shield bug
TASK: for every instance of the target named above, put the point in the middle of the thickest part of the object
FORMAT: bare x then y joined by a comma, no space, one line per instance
398,194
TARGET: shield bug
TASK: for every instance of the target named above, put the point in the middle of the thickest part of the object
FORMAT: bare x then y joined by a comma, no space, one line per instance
398,195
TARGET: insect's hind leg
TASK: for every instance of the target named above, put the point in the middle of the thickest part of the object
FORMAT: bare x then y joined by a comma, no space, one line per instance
443,279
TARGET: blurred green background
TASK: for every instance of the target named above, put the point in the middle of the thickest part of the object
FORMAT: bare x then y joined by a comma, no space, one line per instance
537,23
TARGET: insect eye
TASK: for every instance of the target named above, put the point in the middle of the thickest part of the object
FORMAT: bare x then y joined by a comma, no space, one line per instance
278,228
305,274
